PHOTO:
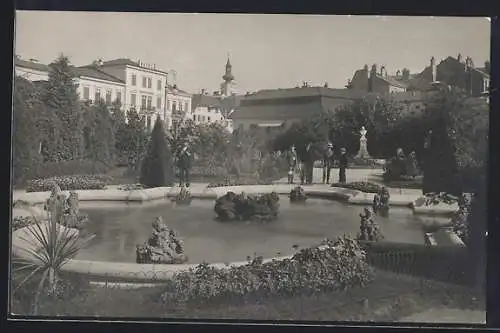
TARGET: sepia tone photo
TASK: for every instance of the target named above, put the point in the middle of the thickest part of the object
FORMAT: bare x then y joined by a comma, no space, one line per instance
250,166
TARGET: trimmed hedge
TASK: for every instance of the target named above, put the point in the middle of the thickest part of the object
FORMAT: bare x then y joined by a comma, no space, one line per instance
68,168
339,265
366,187
69,183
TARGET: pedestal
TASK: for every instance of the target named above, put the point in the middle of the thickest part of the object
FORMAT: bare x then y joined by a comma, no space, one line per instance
363,150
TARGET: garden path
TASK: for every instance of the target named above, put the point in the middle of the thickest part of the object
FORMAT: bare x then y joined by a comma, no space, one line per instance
356,175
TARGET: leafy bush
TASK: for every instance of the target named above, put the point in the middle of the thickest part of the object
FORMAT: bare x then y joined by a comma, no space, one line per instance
157,166
69,183
19,222
438,198
339,265
69,168
366,187
459,220
130,187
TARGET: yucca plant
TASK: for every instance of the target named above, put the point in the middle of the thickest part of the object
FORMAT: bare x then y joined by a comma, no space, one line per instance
49,246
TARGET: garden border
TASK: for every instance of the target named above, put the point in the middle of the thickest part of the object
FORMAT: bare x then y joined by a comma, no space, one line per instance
160,273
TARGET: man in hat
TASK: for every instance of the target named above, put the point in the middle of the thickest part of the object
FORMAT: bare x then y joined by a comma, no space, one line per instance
184,164
292,164
327,162
342,165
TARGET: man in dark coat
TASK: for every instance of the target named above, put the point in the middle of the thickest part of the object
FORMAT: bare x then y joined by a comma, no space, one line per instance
342,165
308,164
184,164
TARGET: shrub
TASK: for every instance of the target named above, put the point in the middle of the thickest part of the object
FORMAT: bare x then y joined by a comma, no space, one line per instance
69,183
69,168
339,265
20,222
297,194
366,187
130,187
438,198
157,166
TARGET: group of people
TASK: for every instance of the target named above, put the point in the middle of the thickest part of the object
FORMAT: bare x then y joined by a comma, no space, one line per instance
304,164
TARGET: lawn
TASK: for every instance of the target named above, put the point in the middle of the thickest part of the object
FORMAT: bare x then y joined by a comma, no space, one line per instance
388,298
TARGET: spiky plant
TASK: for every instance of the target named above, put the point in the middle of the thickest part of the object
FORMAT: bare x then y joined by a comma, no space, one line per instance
52,245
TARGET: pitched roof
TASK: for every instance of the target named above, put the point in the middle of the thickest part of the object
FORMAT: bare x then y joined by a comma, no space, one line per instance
276,112
128,62
31,65
94,72
205,100
176,90
393,81
303,92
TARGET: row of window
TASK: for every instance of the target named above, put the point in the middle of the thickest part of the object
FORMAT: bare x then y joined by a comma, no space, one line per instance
147,82
172,105
146,101
98,96
199,118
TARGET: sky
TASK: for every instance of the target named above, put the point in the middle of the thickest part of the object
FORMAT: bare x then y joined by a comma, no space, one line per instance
266,51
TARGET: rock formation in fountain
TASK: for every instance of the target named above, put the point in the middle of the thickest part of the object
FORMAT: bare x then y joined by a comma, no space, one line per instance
162,247
298,195
240,207
69,208
183,197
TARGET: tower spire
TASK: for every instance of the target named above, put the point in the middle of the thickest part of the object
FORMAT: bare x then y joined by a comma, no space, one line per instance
228,76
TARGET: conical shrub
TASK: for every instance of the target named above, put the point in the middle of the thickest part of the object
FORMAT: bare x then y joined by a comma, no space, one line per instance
157,165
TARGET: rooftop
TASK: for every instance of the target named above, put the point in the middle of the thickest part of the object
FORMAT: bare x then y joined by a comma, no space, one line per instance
129,62
205,100
31,65
303,92
94,72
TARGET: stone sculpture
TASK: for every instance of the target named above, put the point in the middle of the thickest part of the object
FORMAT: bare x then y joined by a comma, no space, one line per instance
162,247
363,147
381,201
298,195
240,207
369,229
183,197
66,208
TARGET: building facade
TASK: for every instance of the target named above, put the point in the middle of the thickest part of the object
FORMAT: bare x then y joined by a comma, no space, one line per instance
145,86
272,108
178,106
207,109
31,70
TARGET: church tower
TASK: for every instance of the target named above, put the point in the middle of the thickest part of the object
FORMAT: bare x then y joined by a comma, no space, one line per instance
227,87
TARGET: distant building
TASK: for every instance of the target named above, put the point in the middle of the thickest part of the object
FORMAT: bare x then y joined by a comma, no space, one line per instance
31,70
272,108
457,72
178,108
207,109
228,86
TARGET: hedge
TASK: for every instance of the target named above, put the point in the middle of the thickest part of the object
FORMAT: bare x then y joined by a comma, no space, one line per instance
339,265
69,183
68,168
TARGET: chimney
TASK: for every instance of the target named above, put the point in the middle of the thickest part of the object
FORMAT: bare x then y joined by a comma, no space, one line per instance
374,69
406,74
203,91
100,62
433,69
365,67
459,58
398,73
487,65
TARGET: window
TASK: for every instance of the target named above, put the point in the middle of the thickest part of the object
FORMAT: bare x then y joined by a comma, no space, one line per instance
186,106
133,100
134,79
208,119
86,93
108,96
144,81
97,96
158,85
158,102
168,104
174,106
119,96
143,102
150,82
203,118
150,102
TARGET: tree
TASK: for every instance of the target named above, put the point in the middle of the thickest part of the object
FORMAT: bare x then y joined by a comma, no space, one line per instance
130,139
61,98
157,166
99,134
26,135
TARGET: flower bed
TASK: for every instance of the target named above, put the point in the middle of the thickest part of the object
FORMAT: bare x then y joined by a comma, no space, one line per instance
366,187
434,199
339,265
69,183
130,187
239,182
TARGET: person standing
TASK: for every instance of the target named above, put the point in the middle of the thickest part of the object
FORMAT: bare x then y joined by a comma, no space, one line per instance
308,163
342,165
184,164
327,162
292,164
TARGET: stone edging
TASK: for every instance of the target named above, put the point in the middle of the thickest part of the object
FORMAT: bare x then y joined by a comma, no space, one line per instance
158,273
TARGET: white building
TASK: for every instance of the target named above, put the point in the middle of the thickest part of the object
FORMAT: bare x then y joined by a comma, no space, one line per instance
206,109
178,106
144,86
31,70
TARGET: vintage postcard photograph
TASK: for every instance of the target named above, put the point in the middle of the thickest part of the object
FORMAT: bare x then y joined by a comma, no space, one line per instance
255,167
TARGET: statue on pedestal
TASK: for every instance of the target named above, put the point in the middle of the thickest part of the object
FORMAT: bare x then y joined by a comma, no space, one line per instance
363,150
